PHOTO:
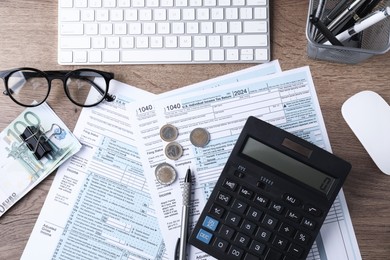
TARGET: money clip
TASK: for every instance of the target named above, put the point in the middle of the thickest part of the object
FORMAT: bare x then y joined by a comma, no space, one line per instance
36,141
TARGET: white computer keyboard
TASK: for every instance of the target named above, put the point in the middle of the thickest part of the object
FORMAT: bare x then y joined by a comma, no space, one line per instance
163,31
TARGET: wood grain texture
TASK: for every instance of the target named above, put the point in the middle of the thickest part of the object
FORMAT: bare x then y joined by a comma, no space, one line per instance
28,31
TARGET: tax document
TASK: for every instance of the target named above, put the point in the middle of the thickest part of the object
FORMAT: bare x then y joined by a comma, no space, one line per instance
287,100
99,205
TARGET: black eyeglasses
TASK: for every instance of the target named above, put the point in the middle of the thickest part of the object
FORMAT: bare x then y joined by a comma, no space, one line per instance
30,87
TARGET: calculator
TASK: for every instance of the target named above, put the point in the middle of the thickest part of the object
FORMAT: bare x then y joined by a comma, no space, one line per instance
271,198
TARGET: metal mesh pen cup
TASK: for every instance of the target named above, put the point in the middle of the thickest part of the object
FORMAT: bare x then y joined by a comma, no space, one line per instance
373,40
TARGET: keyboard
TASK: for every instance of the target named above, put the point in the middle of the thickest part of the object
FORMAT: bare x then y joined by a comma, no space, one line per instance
163,31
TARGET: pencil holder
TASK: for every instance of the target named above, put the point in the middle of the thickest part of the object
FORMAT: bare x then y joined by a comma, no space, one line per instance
372,41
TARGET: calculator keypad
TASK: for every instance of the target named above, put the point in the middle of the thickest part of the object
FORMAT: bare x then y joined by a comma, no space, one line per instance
246,224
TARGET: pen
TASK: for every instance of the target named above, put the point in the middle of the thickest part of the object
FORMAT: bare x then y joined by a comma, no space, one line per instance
363,24
348,12
184,215
325,31
335,11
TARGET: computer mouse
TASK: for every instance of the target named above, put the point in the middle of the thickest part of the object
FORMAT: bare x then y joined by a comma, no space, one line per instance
368,115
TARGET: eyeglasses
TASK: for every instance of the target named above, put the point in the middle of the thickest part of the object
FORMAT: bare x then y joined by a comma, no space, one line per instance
30,87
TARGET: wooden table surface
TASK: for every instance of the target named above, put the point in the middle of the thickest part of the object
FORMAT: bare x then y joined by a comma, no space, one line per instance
28,37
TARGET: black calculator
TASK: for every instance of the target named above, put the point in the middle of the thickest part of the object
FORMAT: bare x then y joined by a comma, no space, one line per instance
271,198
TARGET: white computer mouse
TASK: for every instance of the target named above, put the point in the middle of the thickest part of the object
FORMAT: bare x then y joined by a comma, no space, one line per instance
368,115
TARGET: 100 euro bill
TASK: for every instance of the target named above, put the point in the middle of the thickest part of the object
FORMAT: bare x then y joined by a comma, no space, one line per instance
20,171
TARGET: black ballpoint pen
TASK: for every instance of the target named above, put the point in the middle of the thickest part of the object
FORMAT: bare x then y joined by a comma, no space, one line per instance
182,242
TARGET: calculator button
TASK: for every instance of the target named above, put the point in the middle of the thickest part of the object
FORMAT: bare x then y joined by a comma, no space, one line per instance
263,234
254,214
280,242
269,221
239,174
226,232
277,208
286,229
292,200
221,244
273,255
231,185
233,219
314,211
246,193
302,238
248,227
261,200
250,257
204,236
217,210
242,240
210,223
223,198
308,223
295,251
239,206
235,253
294,216
256,247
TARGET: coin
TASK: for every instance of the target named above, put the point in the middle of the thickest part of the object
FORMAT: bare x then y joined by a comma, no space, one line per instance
199,137
173,151
168,133
165,173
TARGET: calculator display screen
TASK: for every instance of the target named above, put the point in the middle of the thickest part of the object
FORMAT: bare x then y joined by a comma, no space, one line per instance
288,165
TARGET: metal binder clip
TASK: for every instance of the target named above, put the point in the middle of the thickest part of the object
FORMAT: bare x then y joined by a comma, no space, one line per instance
37,141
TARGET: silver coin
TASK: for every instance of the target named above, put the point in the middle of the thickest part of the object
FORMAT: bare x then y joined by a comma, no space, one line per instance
199,137
173,151
168,133
165,173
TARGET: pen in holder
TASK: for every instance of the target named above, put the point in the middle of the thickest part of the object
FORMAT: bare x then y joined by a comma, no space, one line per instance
371,41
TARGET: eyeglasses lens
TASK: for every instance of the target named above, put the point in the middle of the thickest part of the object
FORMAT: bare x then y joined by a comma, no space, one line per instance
86,88
27,87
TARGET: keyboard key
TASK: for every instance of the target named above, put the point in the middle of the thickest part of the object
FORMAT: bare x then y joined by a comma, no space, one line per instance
217,210
235,253
233,219
223,198
263,234
254,214
269,221
246,193
252,40
242,240
239,206
248,227
295,251
286,230
204,236
257,247
231,185
280,242
221,244
302,238
273,255
226,232
156,55
210,223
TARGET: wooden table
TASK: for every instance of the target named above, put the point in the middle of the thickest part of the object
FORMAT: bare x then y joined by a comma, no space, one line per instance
28,31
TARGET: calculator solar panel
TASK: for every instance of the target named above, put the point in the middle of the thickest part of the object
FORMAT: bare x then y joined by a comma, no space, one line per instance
271,198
